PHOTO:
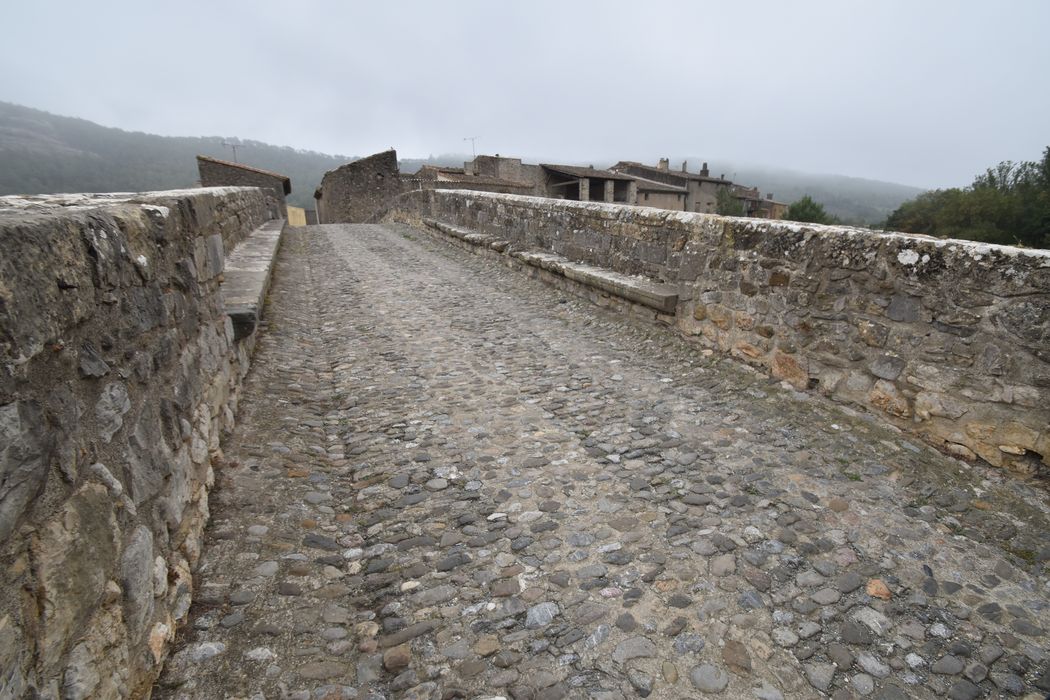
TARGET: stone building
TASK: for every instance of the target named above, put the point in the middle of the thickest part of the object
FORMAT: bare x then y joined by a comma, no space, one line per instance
434,177
219,173
358,191
588,184
511,169
758,206
660,195
701,189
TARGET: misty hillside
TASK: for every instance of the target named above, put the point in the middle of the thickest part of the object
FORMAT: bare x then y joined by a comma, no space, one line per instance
855,200
41,152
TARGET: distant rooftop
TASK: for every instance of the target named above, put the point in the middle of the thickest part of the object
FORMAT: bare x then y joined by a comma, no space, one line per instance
458,175
647,185
575,171
678,174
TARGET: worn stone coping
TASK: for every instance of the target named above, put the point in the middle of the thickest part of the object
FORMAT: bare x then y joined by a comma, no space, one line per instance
657,217
246,276
657,296
25,206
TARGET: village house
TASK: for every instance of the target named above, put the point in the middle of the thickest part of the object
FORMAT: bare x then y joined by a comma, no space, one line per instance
435,177
758,206
701,189
588,184
660,195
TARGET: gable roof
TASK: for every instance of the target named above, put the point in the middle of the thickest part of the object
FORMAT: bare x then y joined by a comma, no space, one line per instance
654,172
647,185
286,182
575,171
459,175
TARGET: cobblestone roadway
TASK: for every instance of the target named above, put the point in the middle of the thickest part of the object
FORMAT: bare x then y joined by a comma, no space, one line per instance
452,481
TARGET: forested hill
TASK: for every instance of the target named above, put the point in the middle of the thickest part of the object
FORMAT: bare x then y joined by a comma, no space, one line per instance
854,200
42,152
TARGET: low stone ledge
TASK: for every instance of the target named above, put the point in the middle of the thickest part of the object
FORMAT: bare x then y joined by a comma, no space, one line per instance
247,277
661,297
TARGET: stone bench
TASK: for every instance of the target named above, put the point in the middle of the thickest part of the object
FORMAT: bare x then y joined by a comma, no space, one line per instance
468,236
246,277
662,297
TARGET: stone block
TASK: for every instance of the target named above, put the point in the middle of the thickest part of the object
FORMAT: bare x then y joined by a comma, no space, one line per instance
779,278
873,334
74,553
930,403
26,445
886,397
136,579
903,308
720,316
887,367
110,410
750,351
789,369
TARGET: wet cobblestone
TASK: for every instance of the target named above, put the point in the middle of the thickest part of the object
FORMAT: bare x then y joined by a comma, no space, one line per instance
450,481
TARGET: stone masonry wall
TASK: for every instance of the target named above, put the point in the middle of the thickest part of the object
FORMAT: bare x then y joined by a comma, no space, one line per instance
118,374
358,191
947,339
217,173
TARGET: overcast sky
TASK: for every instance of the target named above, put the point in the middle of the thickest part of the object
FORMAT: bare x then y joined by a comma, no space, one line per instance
927,93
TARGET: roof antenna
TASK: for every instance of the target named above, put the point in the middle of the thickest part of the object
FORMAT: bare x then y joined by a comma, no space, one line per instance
234,146
473,150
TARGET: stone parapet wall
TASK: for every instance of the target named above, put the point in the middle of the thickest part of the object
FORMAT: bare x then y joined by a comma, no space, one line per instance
217,173
947,339
118,374
358,191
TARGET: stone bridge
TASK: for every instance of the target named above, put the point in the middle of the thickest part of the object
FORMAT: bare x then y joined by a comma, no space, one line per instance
498,447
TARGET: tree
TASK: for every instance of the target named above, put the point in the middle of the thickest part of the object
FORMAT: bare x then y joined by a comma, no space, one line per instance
1007,204
728,205
809,211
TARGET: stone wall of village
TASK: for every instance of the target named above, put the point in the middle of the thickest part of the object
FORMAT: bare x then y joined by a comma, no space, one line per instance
947,339
358,191
118,374
217,173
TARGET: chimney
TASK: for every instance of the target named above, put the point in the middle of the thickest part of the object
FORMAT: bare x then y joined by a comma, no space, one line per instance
704,171
769,196
664,164
683,166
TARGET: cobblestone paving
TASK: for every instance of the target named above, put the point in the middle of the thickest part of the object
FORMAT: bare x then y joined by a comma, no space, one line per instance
451,481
